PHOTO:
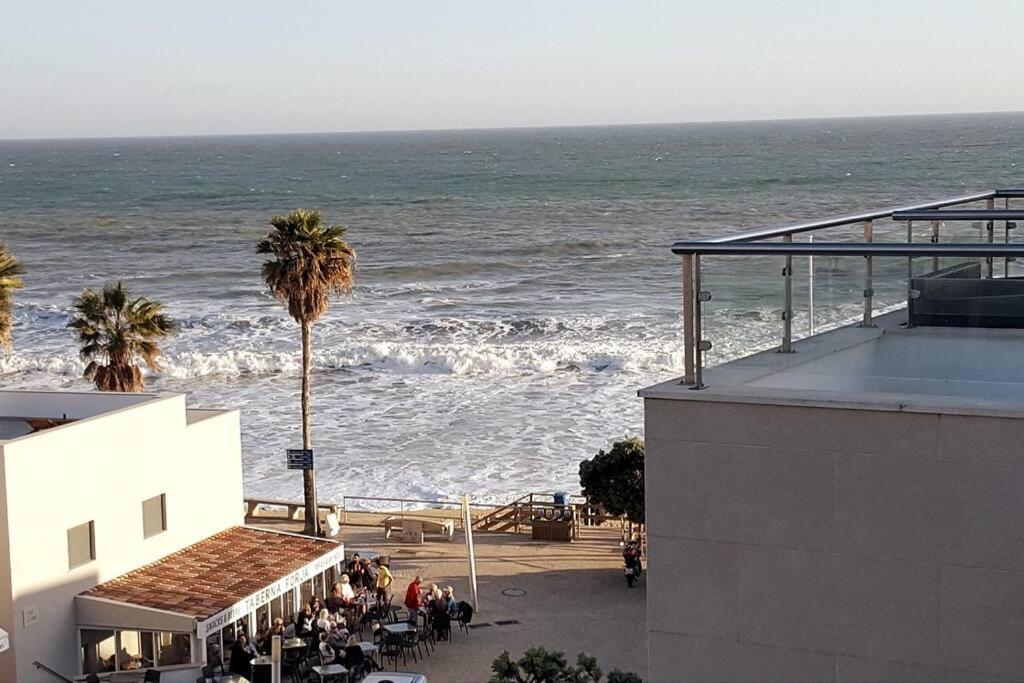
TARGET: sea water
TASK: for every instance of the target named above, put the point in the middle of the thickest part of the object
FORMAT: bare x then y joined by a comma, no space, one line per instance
514,287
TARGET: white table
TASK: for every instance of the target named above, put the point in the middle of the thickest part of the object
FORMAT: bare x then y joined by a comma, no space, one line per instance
369,649
400,627
329,670
293,643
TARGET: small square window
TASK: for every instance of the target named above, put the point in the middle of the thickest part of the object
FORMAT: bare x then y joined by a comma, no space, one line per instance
81,545
154,516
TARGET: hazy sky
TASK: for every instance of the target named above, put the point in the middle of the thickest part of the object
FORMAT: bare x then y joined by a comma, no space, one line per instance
154,67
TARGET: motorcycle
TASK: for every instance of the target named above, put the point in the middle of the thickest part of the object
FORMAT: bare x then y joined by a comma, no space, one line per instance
631,556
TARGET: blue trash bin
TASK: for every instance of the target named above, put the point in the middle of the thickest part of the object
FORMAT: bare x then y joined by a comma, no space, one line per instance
561,498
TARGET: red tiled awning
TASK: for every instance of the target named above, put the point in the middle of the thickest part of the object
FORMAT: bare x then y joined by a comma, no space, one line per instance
219,572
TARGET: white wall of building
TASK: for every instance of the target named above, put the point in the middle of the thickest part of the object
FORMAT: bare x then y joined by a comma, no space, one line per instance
100,470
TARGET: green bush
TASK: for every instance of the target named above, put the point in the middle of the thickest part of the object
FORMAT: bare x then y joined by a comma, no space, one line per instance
614,479
538,665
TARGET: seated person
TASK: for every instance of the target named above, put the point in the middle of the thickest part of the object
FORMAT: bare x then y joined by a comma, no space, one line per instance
347,594
441,619
353,654
327,654
337,636
323,621
448,595
242,654
304,621
268,636
335,603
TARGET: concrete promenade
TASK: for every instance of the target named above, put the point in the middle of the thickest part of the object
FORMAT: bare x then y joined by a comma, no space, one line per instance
565,596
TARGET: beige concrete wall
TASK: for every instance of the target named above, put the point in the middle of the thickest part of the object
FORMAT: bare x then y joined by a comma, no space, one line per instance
796,543
101,470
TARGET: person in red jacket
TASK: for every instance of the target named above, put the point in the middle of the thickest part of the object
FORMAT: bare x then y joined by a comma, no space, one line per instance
413,599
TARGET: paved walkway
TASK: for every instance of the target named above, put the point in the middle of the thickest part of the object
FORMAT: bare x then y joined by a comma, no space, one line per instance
564,596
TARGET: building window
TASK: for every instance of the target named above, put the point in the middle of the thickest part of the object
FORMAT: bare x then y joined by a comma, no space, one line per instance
154,516
81,545
130,650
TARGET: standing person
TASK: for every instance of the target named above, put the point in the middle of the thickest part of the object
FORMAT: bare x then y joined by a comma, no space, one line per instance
413,600
384,580
355,570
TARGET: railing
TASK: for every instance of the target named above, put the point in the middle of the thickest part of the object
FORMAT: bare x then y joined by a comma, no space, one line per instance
59,677
407,505
517,513
695,295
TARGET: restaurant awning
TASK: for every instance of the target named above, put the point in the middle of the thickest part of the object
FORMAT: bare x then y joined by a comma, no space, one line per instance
209,584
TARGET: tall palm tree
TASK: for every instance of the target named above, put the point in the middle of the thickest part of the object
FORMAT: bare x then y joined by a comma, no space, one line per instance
311,263
116,332
11,270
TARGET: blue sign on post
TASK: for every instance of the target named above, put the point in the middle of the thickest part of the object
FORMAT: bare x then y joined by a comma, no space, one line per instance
300,458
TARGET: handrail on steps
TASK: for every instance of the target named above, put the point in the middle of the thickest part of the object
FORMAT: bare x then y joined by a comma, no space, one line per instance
60,677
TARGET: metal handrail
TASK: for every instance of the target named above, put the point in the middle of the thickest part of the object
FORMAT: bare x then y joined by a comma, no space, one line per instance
850,219
959,215
60,677
749,243
912,250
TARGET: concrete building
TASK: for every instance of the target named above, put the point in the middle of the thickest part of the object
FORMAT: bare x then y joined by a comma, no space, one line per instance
99,493
850,511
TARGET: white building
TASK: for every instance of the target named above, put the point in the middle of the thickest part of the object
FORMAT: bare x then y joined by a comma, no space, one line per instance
104,499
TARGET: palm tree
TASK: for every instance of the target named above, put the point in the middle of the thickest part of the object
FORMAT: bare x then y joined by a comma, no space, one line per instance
11,270
116,332
311,263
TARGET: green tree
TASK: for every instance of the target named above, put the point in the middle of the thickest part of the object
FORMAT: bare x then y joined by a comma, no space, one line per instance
311,263
11,270
116,332
538,665
614,479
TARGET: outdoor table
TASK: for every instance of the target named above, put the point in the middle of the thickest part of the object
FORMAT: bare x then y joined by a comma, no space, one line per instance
329,670
400,627
293,643
370,651
231,678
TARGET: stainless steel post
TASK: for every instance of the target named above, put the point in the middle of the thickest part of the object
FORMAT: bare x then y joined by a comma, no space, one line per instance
810,290
698,332
1008,225
869,292
787,304
935,240
910,270
990,204
689,340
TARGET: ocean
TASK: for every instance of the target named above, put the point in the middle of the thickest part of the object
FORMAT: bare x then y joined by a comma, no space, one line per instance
514,287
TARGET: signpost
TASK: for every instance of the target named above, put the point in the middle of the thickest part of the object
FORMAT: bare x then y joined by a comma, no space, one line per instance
300,458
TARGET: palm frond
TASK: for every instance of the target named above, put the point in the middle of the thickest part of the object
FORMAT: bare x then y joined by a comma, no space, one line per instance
116,331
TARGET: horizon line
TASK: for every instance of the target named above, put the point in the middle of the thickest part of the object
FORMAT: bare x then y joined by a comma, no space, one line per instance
510,128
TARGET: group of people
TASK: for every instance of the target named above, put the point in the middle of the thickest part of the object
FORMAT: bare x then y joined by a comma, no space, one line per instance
439,604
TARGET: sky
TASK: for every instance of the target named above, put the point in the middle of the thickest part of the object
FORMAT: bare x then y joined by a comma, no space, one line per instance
158,67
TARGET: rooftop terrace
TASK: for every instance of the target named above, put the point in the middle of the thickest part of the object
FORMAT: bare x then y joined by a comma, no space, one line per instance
949,328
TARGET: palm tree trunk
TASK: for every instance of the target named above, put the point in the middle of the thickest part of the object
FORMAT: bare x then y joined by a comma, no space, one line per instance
312,527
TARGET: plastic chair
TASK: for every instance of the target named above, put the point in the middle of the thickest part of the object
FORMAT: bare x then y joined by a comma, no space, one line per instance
152,676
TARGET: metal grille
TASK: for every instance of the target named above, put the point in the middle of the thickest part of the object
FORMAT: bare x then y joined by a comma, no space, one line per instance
81,546
154,516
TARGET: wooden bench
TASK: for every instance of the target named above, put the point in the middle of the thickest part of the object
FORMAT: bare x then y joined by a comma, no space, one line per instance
294,510
413,529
